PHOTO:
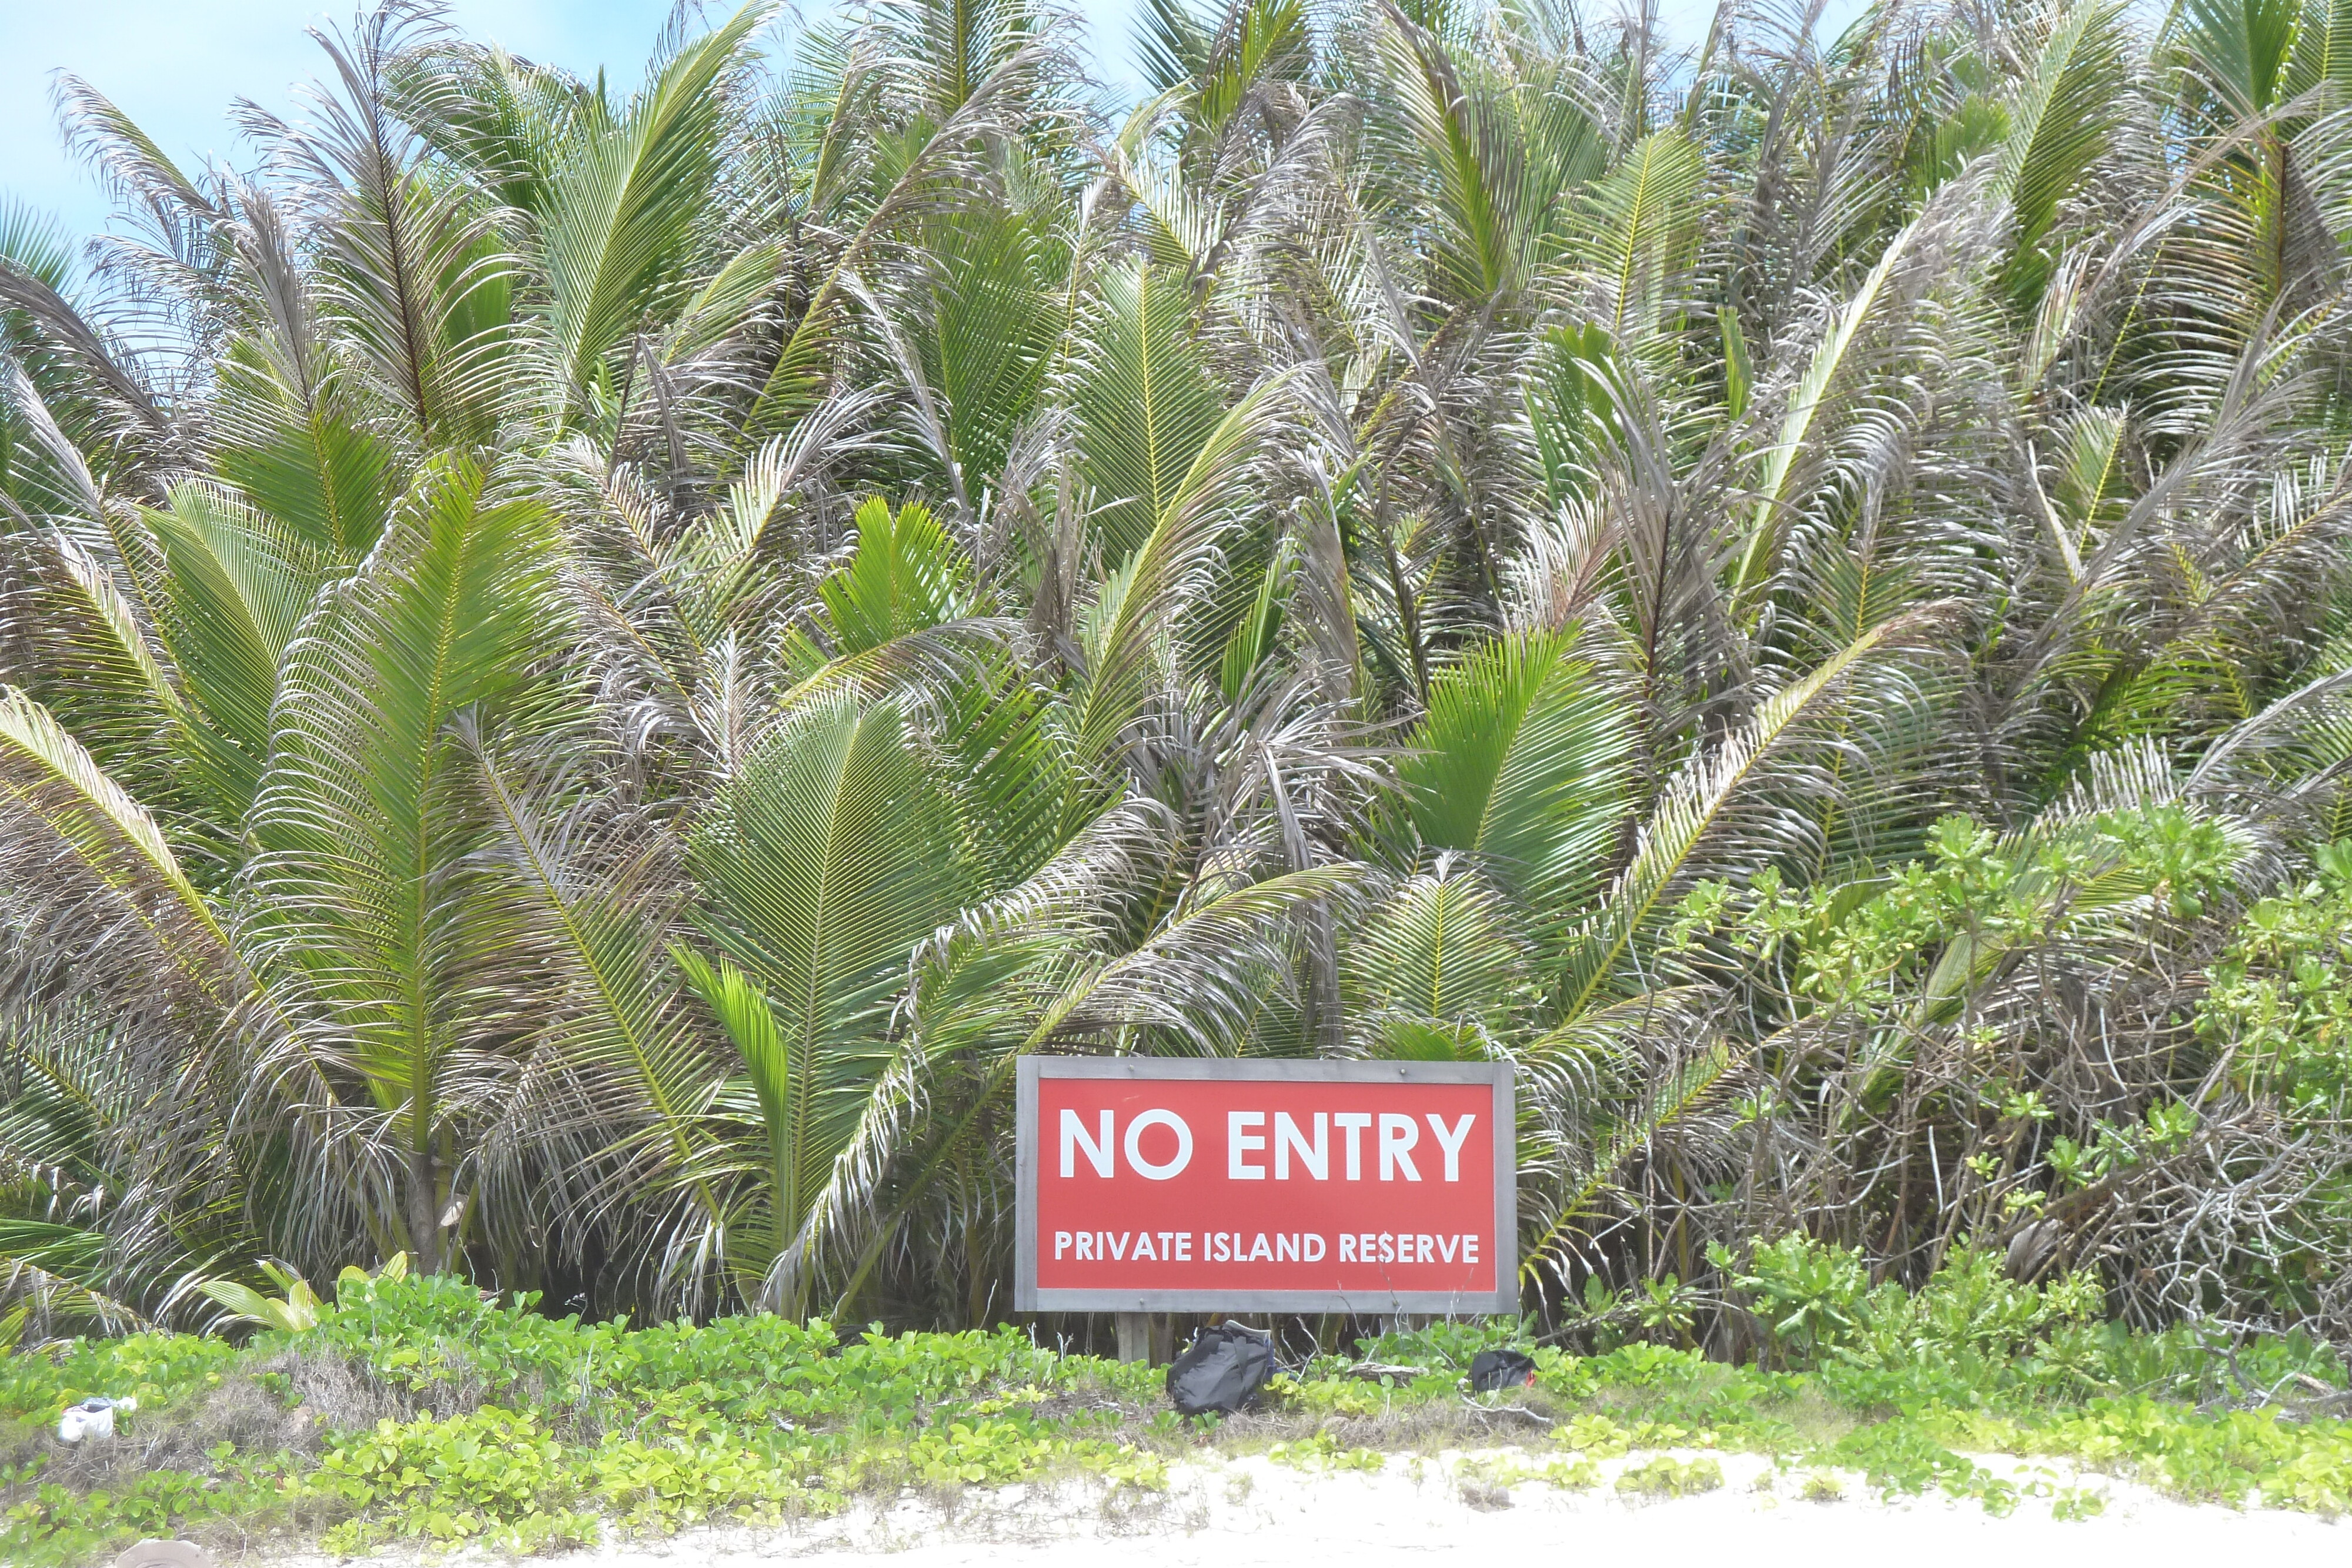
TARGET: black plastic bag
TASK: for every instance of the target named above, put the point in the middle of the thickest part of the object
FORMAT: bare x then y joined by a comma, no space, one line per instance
1221,1370
1495,1369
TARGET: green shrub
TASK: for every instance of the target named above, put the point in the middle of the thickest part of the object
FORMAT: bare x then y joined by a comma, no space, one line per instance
1666,1476
54,1526
1808,1295
2282,992
158,1369
546,1430
447,1480
1900,1458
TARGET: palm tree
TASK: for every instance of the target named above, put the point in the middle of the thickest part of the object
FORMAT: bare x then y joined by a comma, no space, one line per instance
584,670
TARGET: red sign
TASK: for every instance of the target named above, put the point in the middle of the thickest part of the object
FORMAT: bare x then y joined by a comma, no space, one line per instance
1156,1183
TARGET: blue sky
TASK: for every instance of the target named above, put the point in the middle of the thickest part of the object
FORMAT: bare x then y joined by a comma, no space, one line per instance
174,65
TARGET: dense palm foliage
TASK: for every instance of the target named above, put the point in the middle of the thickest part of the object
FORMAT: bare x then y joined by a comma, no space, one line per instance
585,669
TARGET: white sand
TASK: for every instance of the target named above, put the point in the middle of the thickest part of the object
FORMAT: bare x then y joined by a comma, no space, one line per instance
1251,1513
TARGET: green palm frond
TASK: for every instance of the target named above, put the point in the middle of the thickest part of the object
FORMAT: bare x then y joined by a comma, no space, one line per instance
2322,56
233,593
993,312
1503,159
1702,803
947,50
2079,498
832,854
48,1295
1780,470
1214,62
1202,979
827,860
1440,956
1563,1216
906,575
83,650
798,378
114,853
1167,566
980,987
365,839
54,323
1145,403
285,430
300,456
410,273
623,206
2241,48
1640,232
615,1039
742,1011
1521,762
2061,117
1173,44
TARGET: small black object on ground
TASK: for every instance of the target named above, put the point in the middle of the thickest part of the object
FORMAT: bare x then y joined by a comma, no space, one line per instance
1221,1370
1491,1370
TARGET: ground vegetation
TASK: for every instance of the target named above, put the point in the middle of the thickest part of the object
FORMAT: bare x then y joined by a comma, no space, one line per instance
419,1413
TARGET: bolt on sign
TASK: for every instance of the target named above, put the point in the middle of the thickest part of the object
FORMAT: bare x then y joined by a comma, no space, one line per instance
1186,1184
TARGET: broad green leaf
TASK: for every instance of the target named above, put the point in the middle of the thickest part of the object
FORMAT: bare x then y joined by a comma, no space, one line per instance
1440,950
625,204
49,783
1145,401
826,861
1640,231
1521,762
365,832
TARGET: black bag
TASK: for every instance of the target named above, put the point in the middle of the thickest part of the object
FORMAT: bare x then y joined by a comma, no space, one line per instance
1223,1370
1495,1369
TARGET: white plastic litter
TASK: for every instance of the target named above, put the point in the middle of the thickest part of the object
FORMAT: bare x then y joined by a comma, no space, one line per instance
92,1418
